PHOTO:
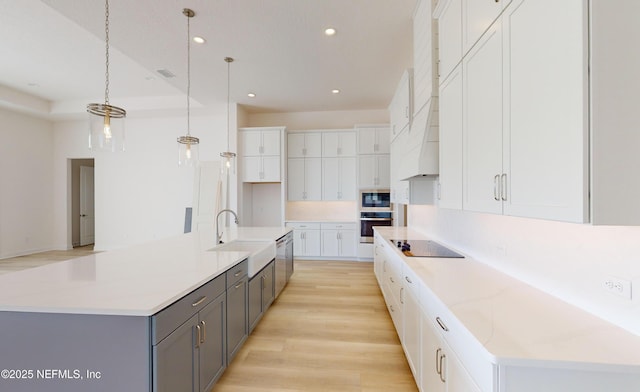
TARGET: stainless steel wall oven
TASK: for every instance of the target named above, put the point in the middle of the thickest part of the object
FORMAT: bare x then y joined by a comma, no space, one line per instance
375,210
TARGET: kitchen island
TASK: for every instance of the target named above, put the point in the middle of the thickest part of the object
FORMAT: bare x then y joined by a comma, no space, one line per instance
97,322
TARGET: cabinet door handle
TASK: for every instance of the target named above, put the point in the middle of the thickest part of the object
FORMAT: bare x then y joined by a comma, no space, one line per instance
198,302
391,307
442,324
401,291
496,178
442,358
503,186
304,151
237,286
339,151
204,331
198,330
438,363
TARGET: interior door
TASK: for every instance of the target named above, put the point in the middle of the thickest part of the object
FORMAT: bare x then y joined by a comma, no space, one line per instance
87,206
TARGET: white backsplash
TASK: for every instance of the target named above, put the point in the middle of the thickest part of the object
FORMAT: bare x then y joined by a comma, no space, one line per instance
569,261
321,211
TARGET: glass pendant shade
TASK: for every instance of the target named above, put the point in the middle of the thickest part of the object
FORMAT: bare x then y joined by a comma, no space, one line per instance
106,122
188,147
228,162
106,127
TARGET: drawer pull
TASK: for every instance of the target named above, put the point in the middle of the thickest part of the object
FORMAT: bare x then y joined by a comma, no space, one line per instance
442,324
198,302
408,280
238,273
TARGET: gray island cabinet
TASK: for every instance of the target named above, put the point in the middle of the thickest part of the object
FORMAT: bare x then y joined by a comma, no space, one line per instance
163,316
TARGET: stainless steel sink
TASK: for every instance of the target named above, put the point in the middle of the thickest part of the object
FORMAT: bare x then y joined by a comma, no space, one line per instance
260,252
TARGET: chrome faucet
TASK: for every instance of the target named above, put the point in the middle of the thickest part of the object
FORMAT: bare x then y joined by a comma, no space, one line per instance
218,234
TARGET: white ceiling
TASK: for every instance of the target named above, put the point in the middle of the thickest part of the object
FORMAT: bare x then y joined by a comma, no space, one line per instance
53,57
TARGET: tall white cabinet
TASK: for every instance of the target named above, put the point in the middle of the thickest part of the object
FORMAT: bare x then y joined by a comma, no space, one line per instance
524,117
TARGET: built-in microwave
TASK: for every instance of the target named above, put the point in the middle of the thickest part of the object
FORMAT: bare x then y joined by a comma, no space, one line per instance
372,200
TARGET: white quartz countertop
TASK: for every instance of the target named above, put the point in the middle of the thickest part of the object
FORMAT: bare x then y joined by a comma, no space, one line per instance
515,322
138,281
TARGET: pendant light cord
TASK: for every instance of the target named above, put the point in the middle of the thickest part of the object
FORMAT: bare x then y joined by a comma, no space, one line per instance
228,100
188,75
106,30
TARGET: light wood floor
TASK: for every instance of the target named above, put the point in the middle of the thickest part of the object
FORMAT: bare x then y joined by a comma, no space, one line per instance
328,331
37,259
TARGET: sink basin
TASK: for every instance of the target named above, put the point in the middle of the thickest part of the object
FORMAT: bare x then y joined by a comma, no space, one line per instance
260,252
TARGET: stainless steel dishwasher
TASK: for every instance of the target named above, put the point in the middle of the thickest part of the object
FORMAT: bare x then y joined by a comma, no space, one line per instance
284,261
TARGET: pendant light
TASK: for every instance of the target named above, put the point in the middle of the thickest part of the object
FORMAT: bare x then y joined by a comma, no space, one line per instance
106,122
228,157
187,144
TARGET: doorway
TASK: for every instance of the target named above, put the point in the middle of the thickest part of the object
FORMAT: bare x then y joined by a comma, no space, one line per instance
82,203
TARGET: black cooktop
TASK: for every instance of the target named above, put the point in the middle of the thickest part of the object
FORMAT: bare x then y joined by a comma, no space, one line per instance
424,248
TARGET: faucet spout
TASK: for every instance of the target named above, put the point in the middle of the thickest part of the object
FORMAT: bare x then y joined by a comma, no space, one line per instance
218,234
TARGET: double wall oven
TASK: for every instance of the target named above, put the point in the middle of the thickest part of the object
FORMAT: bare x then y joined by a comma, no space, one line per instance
375,210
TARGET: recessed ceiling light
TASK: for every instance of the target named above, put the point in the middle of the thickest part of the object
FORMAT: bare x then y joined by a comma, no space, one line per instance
199,40
335,91
330,31
251,95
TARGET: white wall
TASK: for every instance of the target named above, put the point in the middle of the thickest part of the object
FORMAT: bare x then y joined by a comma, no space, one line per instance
141,194
569,261
25,184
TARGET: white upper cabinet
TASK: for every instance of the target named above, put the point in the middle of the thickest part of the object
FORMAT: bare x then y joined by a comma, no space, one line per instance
400,109
304,179
339,178
304,145
339,144
374,172
260,154
545,139
449,15
424,55
260,142
482,123
450,180
373,140
477,16
525,117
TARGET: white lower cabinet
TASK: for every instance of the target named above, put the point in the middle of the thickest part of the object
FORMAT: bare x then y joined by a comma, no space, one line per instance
338,240
325,240
411,321
306,239
442,370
